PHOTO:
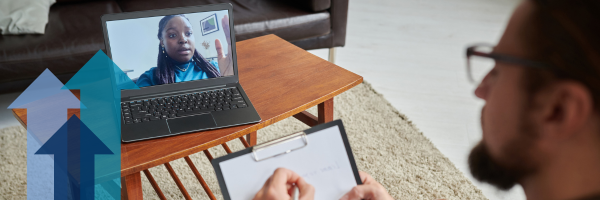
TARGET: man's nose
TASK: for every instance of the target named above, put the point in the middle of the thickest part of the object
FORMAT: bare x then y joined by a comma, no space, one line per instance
482,90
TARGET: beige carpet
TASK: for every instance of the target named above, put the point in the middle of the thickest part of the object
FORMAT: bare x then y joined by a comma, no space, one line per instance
385,144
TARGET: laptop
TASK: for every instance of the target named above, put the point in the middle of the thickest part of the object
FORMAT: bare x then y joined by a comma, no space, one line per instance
184,61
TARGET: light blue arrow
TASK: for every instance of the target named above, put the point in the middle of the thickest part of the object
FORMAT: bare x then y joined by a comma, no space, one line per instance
100,82
46,106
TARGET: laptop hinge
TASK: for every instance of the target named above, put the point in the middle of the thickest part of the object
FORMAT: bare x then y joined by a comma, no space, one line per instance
168,93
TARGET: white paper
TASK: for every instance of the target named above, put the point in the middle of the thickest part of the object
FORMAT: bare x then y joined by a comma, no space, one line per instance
324,164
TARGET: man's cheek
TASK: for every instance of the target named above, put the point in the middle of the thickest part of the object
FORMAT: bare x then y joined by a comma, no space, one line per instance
493,131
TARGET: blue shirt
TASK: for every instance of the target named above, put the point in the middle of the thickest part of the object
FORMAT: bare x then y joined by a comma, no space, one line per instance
192,73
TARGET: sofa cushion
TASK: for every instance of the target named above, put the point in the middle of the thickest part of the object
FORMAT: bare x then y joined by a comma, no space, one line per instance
71,1
73,36
313,5
254,18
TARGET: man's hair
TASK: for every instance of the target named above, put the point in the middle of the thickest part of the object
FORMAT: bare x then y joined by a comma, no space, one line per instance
565,34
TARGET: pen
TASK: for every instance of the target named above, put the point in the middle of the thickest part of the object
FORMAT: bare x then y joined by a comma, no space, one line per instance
296,193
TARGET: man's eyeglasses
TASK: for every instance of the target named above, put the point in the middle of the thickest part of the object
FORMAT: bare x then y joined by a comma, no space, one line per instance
481,59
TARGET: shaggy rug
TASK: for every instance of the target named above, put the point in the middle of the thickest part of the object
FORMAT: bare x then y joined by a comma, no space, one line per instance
384,141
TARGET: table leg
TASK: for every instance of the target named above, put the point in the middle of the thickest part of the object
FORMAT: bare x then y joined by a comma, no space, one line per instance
326,111
131,187
251,138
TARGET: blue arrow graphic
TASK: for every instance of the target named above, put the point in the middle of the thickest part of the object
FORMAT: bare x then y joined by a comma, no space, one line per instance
46,106
74,146
100,82
90,146
57,145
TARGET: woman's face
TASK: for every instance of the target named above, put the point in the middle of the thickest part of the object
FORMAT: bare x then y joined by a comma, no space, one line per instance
178,39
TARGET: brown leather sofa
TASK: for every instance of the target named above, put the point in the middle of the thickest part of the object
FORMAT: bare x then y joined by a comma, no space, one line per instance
74,32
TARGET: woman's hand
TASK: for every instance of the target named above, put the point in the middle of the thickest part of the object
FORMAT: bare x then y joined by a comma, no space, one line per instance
225,62
280,186
369,190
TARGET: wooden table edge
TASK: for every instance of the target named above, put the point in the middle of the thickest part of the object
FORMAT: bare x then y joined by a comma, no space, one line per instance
18,118
260,125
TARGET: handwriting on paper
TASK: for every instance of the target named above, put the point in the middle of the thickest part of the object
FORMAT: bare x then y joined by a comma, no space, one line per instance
323,169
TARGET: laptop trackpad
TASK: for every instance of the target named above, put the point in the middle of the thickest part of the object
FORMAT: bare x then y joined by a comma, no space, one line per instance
191,123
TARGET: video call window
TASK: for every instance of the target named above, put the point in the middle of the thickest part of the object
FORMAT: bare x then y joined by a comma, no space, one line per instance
173,48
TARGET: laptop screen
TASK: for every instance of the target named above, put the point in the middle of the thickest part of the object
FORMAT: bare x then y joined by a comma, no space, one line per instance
171,49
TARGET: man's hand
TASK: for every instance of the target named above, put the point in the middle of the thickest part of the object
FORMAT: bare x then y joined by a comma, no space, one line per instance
280,186
370,189
225,62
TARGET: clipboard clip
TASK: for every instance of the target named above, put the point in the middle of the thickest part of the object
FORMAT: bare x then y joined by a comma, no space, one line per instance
266,145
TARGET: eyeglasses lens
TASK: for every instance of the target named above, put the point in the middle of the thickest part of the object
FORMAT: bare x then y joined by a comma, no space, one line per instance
480,66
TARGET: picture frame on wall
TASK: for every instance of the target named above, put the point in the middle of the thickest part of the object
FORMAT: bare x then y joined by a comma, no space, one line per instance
209,24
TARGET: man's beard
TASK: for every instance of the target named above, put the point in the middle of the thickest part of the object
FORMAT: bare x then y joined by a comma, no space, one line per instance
485,169
518,162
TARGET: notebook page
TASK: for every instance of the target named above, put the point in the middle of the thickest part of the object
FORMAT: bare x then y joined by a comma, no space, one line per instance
323,163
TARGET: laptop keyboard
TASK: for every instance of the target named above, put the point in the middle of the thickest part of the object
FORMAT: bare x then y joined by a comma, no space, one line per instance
181,105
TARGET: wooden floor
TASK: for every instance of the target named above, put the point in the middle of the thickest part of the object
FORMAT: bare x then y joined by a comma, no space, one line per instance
413,52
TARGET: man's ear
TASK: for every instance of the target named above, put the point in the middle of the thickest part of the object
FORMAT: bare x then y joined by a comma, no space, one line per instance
566,109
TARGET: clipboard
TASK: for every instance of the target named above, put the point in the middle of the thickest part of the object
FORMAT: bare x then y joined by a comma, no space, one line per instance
321,155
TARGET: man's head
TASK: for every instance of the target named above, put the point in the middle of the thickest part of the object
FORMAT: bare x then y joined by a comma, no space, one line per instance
534,117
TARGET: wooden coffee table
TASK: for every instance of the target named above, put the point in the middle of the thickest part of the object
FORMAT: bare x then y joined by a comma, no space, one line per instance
280,79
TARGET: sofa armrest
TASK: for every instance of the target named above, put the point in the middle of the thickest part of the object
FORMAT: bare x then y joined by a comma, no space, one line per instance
339,21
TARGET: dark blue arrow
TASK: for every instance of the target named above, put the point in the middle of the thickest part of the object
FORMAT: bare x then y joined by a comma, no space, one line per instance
100,82
46,106
57,145
90,146
74,146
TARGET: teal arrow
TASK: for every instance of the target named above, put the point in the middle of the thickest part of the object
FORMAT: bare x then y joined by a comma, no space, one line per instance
100,82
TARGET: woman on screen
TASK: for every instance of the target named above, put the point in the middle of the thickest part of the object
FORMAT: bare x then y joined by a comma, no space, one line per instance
178,60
